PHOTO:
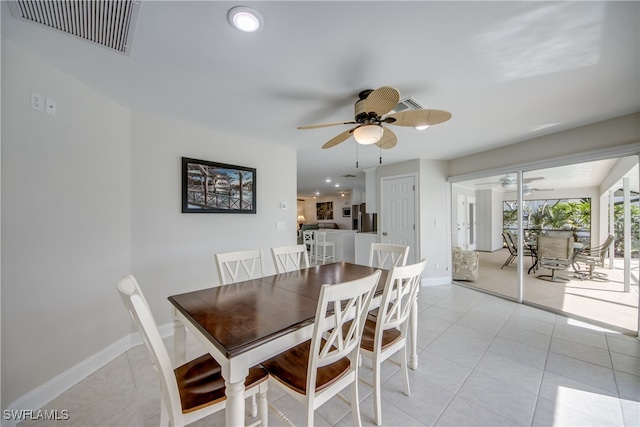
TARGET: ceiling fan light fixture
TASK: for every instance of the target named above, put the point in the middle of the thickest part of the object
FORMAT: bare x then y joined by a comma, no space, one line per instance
368,134
244,19
422,127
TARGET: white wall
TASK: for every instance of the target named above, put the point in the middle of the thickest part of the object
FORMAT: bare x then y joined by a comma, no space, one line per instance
603,135
93,194
66,223
173,252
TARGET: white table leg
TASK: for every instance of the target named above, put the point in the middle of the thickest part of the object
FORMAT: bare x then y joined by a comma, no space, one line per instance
413,330
179,341
234,411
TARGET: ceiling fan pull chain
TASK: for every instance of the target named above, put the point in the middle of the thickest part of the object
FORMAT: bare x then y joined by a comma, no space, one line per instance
357,156
380,155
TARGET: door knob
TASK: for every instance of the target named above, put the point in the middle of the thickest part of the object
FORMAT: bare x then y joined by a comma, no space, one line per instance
384,233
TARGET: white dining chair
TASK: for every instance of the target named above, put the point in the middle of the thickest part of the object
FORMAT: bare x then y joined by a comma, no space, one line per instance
386,334
195,389
290,258
320,368
322,244
309,239
240,265
387,255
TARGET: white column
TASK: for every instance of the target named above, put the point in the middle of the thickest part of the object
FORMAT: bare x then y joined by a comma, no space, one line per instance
627,234
612,228
520,289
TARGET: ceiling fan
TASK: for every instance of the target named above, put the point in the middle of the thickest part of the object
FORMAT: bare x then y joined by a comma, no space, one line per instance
372,111
509,181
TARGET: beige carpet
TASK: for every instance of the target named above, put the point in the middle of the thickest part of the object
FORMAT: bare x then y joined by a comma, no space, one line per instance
603,302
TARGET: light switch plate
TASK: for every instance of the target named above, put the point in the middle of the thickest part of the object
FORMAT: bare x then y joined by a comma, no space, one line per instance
280,225
283,205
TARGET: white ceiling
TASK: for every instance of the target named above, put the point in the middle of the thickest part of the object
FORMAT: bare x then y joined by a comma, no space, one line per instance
507,71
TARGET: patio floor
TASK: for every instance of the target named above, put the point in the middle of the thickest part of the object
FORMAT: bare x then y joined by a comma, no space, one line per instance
599,301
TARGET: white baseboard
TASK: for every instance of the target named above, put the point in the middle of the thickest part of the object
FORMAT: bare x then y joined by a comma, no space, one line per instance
40,396
435,281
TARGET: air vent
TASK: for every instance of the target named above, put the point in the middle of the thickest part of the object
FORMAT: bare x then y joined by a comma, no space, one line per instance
347,176
109,23
408,103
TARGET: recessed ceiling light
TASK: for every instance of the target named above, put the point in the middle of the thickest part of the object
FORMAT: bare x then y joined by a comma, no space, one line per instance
327,180
244,19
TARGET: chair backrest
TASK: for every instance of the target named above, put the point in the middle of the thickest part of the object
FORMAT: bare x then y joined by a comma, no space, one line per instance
400,291
601,251
290,258
136,305
559,233
386,255
560,248
338,304
510,243
238,266
308,237
321,236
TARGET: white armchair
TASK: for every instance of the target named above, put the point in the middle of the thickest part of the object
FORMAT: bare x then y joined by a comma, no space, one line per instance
465,264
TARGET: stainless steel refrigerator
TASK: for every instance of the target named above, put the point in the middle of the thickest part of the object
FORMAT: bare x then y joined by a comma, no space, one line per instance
362,221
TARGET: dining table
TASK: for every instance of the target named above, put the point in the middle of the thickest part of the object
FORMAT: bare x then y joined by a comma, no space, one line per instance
244,323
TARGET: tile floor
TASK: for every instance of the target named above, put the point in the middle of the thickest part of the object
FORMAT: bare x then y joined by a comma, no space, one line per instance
484,361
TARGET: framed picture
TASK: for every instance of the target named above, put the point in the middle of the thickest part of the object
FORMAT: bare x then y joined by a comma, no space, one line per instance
324,210
209,187
346,211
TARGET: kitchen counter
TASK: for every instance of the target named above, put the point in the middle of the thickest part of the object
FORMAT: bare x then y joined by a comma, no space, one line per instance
344,243
362,246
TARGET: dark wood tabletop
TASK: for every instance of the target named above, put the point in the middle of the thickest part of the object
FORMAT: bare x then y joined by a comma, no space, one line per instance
240,316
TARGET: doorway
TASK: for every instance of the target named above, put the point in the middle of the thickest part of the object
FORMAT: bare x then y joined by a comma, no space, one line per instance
398,206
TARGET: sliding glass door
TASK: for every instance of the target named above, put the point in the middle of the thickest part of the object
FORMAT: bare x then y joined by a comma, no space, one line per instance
579,205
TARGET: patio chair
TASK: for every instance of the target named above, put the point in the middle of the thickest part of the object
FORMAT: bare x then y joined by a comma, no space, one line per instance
512,249
554,253
593,257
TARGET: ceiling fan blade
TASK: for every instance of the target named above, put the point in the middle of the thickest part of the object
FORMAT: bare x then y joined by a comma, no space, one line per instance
382,100
324,125
528,180
419,117
388,139
338,139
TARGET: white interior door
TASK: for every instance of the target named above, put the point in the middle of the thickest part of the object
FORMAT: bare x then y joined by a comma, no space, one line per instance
398,216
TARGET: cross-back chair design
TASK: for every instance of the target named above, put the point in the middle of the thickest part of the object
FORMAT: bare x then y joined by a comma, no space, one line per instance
318,369
387,255
309,239
386,334
554,253
592,258
323,244
196,389
240,265
290,258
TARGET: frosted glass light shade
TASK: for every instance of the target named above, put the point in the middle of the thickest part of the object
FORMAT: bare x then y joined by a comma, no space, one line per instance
368,134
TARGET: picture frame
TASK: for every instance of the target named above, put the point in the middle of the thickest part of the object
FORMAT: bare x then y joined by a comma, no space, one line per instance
346,212
212,187
324,210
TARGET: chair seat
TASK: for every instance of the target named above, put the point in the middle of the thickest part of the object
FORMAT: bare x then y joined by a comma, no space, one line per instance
389,336
201,384
290,368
